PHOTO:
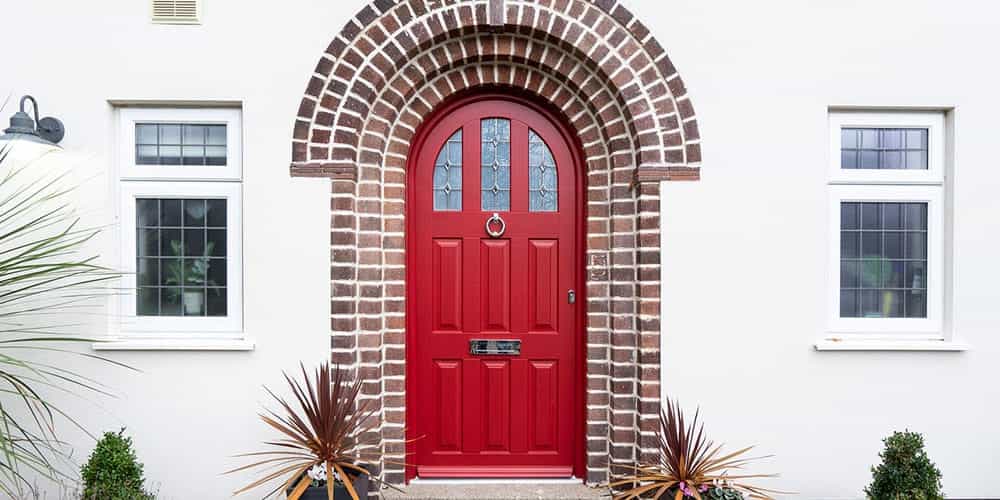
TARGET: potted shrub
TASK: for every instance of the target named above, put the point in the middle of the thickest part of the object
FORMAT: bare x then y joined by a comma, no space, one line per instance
113,472
906,473
327,450
689,466
190,272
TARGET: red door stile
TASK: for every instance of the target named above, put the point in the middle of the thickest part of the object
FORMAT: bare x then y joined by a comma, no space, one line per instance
493,415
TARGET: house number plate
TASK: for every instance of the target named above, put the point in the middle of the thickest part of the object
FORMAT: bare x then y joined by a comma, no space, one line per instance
495,347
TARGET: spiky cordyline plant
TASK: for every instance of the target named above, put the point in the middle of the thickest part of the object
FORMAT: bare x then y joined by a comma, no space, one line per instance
689,464
43,281
332,428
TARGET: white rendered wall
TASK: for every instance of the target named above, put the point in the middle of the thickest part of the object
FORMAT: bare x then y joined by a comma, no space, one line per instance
190,412
745,250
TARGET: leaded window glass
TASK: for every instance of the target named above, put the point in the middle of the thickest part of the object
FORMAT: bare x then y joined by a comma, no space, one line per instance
448,175
496,164
883,260
180,144
181,257
543,178
883,148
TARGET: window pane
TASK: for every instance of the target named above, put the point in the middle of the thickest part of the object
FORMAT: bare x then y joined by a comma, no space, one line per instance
883,267
148,301
849,303
871,215
893,245
543,177
850,274
850,245
181,267
850,216
495,189
871,244
892,215
170,214
180,144
916,304
878,148
448,175
892,274
892,304
146,133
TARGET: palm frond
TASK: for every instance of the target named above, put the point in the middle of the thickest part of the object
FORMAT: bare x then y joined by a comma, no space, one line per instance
323,423
44,279
688,465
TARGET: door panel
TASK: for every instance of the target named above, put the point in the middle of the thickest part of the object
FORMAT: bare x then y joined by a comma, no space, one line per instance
448,388
448,285
543,285
493,415
543,393
494,262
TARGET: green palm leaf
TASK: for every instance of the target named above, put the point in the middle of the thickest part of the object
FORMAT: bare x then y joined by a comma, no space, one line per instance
44,281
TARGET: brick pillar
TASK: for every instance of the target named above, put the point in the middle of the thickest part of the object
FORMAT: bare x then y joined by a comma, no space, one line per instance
343,274
598,321
393,333
624,370
648,257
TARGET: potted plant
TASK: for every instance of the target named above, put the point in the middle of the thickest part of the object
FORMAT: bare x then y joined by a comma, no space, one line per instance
113,472
326,450
689,466
906,472
190,272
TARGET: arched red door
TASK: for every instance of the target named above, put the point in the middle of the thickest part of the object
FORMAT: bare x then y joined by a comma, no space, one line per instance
493,280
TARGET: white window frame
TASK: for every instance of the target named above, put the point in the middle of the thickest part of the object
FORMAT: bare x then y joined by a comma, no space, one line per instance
229,326
134,332
936,147
231,117
929,328
891,186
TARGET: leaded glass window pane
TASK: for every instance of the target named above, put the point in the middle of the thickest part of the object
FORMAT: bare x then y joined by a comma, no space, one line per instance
883,148
496,164
543,178
180,144
448,175
181,257
883,260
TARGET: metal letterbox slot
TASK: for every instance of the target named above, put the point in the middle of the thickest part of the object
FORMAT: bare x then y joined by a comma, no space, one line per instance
483,347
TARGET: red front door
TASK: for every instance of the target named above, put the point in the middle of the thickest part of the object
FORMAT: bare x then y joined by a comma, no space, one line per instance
509,409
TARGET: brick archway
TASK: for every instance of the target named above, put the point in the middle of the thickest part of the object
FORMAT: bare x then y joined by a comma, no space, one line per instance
390,67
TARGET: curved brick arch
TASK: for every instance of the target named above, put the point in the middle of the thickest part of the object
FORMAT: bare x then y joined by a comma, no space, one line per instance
389,69
379,42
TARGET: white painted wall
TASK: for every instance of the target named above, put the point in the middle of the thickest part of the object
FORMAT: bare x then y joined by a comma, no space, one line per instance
745,249
191,412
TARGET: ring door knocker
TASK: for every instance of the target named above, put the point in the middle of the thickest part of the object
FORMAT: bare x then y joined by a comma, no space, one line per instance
489,226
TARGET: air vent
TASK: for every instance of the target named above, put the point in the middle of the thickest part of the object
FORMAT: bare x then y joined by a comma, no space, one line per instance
176,12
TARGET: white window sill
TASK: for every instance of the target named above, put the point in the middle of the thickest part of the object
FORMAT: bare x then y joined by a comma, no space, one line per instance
192,344
890,345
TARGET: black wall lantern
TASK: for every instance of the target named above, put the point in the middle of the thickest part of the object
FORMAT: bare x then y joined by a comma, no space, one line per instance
48,130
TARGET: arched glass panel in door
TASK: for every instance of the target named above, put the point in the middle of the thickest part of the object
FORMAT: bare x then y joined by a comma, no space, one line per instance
448,175
543,178
495,178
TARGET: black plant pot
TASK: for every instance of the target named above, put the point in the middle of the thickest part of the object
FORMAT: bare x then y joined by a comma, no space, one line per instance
339,491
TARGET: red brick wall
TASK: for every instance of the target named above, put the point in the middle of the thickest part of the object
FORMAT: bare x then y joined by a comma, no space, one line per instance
613,83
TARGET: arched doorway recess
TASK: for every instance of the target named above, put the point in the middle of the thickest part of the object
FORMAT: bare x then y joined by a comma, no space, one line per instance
606,77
